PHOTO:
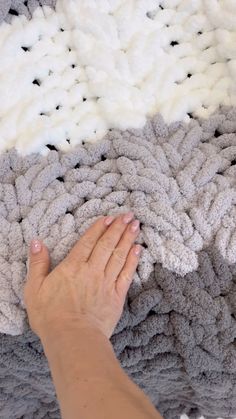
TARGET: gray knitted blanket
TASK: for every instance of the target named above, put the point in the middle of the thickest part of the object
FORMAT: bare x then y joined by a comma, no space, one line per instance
176,337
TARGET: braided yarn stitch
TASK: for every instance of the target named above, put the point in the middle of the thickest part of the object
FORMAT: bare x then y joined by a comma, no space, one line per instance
92,65
179,180
176,336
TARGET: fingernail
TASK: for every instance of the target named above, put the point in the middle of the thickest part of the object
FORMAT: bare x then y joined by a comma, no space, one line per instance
128,217
137,249
108,220
35,246
134,226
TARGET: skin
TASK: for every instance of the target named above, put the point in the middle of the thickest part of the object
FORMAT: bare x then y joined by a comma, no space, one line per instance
74,310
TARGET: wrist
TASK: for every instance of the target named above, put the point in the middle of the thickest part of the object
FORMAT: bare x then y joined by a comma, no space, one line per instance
91,352
57,331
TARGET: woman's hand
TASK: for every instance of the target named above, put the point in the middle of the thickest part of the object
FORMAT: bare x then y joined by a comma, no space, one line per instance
90,284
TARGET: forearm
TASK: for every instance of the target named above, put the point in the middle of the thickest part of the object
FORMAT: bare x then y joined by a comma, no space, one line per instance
88,378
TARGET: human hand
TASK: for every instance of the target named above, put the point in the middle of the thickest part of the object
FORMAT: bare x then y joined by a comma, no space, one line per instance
90,285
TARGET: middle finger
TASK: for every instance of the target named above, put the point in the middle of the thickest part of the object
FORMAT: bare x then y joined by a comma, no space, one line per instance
108,241
119,256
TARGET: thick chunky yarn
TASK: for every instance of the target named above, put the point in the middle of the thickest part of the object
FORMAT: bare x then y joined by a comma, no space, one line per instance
92,65
176,336
175,340
179,180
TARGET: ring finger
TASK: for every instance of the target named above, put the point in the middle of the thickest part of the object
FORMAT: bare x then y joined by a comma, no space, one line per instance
121,251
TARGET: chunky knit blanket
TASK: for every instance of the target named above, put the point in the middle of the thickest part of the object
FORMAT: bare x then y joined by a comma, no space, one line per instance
70,153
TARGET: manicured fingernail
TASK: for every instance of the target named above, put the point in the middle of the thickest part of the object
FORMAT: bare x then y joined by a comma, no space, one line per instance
108,220
35,246
134,226
128,217
137,249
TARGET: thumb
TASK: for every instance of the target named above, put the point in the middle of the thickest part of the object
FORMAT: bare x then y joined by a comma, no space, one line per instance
38,262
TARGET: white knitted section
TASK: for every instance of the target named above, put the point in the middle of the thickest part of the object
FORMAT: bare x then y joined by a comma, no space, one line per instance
71,74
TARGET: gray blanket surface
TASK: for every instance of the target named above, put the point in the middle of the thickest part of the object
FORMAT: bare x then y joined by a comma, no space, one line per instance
176,337
175,340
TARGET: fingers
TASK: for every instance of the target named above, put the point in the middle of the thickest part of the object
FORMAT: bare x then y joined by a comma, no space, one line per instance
125,277
107,243
38,264
120,253
84,246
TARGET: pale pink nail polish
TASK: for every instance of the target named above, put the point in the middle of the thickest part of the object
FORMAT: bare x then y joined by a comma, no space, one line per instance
137,249
128,217
134,226
108,220
35,246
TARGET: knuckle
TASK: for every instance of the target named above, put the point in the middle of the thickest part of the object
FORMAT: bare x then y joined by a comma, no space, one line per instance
124,276
37,262
120,254
107,243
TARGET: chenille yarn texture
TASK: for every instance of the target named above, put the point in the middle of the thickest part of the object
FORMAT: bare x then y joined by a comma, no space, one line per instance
175,340
88,66
178,179
176,337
